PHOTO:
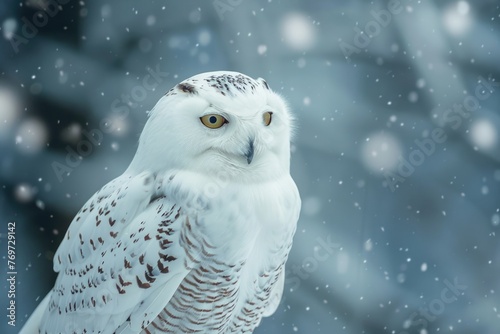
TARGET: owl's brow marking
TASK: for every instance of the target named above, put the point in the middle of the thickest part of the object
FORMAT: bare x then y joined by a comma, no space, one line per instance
187,88
265,84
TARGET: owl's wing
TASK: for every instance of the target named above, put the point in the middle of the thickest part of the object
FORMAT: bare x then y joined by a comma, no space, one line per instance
120,262
275,298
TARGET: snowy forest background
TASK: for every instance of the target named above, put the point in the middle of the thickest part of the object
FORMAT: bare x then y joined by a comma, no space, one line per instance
396,153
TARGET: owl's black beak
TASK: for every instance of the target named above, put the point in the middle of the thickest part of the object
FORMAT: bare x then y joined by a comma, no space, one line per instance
249,152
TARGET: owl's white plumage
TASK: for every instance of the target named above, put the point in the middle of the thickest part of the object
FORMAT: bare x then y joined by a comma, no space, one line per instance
194,236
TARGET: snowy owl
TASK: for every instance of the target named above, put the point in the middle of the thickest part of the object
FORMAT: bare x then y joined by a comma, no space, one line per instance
194,236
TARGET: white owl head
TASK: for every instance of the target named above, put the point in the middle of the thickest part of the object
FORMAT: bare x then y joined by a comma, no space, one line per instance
218,121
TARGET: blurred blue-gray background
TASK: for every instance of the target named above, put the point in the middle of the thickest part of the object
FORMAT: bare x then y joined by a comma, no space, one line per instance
396,152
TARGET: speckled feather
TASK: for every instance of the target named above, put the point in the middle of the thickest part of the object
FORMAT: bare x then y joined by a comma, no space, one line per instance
158,250
226,84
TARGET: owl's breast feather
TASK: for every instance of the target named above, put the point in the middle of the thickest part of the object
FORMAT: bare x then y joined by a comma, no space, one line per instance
240,219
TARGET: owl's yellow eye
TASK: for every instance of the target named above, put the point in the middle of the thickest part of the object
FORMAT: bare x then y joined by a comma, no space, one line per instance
268,117
213,121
